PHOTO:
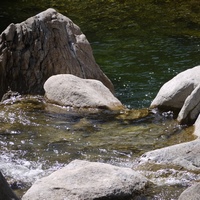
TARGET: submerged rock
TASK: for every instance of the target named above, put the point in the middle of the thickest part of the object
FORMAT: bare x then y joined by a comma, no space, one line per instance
69,90
88,180
44,45
181,95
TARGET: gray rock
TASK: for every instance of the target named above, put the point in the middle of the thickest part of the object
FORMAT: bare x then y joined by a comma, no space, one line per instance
197,127
191,108
173,94
44,45
191,193
186,155
87,180
69,90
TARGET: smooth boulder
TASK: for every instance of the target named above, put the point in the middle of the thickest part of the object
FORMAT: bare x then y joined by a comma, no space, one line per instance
81,180
44,45
173,94
191,108
69,90
191,193
181,95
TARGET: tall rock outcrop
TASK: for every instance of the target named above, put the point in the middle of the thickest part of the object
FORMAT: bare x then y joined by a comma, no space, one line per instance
44,45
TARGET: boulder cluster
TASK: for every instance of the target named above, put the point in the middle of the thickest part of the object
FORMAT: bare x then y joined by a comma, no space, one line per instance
48,54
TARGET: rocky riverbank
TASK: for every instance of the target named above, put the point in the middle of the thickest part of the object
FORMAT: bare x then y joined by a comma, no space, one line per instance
30,54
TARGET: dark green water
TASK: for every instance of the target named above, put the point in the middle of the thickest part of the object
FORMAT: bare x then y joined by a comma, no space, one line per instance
139,45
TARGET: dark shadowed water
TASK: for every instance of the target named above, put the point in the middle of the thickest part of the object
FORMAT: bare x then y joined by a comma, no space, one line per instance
139,52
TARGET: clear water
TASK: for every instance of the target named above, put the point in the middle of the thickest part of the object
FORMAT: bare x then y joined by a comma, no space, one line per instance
37,138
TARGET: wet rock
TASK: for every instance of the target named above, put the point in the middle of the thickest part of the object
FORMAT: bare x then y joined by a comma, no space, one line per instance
185,155
69,90
192,193
180,95
44,45
133,114
88,180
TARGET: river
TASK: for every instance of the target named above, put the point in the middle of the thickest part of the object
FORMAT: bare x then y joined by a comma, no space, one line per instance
139,55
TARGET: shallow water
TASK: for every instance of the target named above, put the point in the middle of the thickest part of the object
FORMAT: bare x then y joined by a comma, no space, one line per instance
37,138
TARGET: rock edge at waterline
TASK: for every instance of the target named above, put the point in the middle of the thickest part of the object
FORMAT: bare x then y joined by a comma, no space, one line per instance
181,95
72,91
88,180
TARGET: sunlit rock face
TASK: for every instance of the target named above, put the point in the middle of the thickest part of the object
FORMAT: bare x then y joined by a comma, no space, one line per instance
181,94
88,180
44,45
70,90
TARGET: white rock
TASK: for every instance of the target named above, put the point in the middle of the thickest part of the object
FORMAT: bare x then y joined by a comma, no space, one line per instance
185,154
69,90
81,180
191,193
173,94
191,108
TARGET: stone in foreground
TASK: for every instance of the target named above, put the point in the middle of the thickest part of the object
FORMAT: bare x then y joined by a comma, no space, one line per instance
69,90
81,180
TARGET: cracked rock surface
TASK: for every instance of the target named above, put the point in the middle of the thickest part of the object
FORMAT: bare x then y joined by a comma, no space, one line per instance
44,45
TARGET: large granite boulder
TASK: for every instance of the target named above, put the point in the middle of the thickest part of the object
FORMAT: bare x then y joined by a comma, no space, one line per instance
181,95
44,45
87,180
191,193
69,90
